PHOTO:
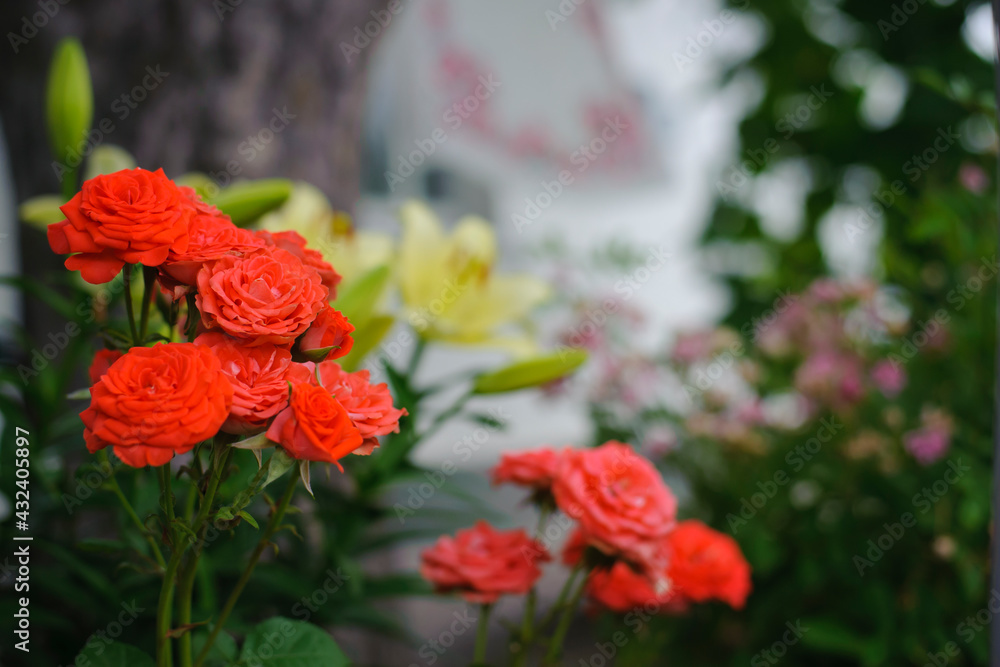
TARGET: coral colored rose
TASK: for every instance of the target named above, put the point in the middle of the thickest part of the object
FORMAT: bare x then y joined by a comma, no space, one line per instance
534,469
367,409
294,243
621,589
267,296
101,363
369,405
132,216
705,564
211,236
574,548
620,500
482,563
330,329
315,426
258,376
157,401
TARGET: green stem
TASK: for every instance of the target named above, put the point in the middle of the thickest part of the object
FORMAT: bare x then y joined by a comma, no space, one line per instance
562,597
220,463
163,611
439,421
265,539
527,638
69,182
148,282
127,279
482,635
418,354
189,502
130,511
559,636
180,544
167,498
191,324
185,594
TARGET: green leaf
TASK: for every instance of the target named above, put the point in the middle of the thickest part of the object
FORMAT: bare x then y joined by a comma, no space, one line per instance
280,463
99,653
69,100
201,183
246,201
223,652
107,159
365,339
282,642
41,211
530,372
249,519
358,301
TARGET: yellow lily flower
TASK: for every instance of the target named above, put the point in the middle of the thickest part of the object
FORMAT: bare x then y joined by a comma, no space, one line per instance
449,289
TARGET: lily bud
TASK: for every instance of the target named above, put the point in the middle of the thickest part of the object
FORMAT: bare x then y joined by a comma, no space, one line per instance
69,102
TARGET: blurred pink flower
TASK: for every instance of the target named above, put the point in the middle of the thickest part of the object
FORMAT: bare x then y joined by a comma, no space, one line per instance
889,377
659,441
931,441
833,377
973,178
826,290
692,346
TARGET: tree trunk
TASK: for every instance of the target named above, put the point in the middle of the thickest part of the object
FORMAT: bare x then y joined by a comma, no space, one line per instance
234,88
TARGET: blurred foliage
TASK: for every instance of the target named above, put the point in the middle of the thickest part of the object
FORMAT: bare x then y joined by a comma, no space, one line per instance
919,595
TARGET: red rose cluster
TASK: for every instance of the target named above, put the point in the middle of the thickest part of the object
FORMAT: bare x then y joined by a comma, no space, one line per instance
260,303
625,534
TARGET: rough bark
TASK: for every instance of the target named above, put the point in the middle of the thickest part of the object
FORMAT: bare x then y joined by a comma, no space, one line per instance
229,65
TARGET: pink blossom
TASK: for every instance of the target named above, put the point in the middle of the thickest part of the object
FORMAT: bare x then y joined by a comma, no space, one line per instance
931,441
889,377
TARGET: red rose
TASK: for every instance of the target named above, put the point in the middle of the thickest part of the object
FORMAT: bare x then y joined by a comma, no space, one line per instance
157,401
211,235
257,374
132,216
315,426
329,331
482,563
534,469
294,243
101,363
267,296
369,405
705,564
621,589
620,500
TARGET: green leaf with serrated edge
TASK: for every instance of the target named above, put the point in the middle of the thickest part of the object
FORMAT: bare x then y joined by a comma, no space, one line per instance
279,463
